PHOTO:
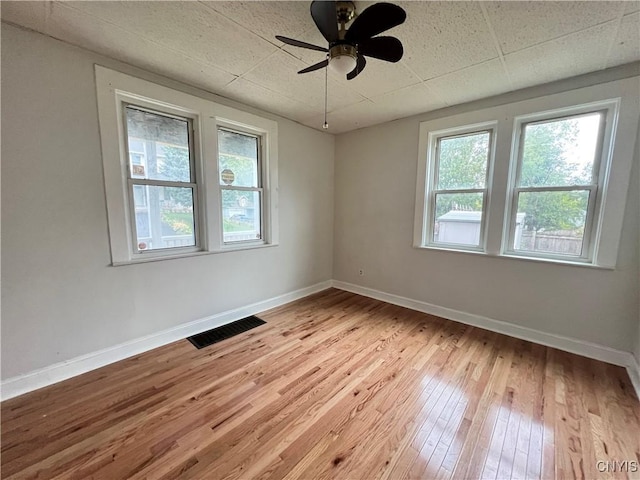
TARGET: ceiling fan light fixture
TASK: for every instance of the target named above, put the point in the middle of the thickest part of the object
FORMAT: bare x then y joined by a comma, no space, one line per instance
343,58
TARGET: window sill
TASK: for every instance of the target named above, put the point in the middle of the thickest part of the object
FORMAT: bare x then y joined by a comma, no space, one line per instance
224,249
553,261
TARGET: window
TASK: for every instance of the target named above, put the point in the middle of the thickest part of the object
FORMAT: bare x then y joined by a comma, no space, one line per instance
241,184
459,188
543,179
161,180
556,187
183,175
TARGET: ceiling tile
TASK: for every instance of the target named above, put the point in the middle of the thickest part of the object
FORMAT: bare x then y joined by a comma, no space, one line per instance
626,47
255,95
448,44
519,25
483,80
355,116
631,6
565,57
189,27
442,37
94,34
312,36
28,14
381,77
411,100
279,74
267,19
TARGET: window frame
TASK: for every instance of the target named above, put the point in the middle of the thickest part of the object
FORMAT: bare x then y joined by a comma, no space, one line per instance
617,154
114,90
601,164
193,184
259,188
433,161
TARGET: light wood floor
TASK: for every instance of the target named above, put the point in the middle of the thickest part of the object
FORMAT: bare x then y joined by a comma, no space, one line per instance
333,386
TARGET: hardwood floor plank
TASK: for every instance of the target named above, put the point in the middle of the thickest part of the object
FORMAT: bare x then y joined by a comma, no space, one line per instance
334,386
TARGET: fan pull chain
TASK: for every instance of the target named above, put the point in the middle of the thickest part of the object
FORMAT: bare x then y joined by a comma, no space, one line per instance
325,125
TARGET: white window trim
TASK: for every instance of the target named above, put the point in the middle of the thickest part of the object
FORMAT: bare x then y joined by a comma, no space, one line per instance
115,88
433,164
613,178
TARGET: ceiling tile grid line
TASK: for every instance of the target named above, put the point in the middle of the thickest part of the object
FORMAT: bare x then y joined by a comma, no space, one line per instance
522,25
424,82
593,28
217,12
186,53
69,5
492,31
561,37
612,41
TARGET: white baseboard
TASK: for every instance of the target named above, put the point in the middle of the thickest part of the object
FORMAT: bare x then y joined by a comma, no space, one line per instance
567,344
634,375
57,372
43,377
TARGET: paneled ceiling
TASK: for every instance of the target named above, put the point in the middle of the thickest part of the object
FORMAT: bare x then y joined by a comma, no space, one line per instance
455,52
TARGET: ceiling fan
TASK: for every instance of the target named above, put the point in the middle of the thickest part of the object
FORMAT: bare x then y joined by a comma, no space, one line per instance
348,48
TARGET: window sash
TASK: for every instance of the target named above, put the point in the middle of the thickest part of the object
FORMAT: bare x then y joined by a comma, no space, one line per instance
428,238
587,252
259,188
261,209
132,182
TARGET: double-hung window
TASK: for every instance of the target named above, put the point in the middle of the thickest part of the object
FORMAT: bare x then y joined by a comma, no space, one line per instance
554,198
162,186
541,179
458,187
240,167
183,175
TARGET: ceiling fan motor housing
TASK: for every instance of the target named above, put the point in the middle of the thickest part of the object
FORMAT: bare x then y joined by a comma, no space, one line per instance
343,58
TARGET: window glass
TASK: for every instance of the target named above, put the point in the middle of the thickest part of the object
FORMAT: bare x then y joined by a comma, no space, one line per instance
167,221
241,215
462,161
238,157
165,143
551,222
560,152
458,218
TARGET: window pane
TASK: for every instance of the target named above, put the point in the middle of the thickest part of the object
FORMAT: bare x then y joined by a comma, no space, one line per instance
158,146
166,219
458,218
462,161
140,195
238,159
560,152
241,215
551,222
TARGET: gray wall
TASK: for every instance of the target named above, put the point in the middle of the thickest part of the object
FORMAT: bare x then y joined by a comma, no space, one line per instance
60,297
375,178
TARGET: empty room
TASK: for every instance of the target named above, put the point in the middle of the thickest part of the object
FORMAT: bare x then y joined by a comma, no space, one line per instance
318,239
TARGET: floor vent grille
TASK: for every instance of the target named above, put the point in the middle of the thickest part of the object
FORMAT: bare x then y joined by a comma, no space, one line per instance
219,334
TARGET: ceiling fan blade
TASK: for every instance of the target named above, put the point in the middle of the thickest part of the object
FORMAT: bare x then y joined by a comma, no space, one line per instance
374,20
325,16
362,62
298,43
317,66
388,49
